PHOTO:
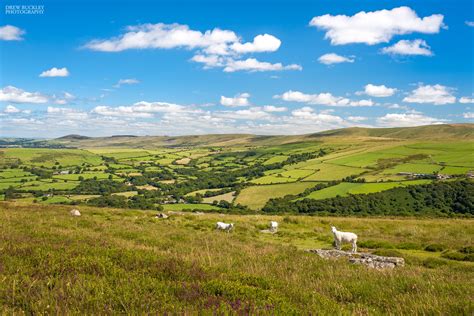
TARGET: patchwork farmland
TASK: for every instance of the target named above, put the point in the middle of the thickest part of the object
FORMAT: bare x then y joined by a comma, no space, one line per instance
244,175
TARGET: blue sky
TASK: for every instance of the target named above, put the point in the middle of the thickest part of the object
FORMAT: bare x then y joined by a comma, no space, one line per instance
266,67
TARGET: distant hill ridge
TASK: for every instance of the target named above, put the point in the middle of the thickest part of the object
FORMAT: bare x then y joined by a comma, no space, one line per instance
423,132
463,132
73,137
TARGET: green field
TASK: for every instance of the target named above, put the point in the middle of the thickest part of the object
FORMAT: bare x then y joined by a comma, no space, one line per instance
256,196
228,197
456,170
275,159
272,179
13,173
328,171
49,157
45,185
127,262
343,189
415,168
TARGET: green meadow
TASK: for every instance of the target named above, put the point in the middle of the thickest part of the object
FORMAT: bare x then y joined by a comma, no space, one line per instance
112,261
346,188
255,197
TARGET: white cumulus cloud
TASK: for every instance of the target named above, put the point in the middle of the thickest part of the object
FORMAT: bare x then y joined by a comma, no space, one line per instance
357,118
252,65
407,47
213,48
272,108
435,94
55,72
11,109
163,36
253,113
380,91
308,114
209,61
465,100
241,99
17,95
261,43
332,58
11,33
66,113
362,103
468,115
407,119
140,109
376,26
319,98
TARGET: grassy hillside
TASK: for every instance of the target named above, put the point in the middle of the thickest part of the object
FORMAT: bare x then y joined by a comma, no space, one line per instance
442,131
431,132
121,261
175,141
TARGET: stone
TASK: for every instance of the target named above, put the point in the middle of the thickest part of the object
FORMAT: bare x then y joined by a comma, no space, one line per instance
367,259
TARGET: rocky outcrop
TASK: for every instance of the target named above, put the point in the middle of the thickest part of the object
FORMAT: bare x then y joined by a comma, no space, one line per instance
367,259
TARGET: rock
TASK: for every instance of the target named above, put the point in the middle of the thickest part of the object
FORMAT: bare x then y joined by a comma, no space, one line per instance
367,259
75,212
268,231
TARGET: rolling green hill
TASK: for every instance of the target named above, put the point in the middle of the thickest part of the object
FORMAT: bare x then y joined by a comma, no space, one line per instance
430,132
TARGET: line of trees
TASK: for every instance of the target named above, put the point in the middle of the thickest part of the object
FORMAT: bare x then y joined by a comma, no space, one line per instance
453,198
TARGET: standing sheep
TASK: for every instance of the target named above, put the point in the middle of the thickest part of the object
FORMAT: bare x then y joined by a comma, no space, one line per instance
224,226
340,237
273,226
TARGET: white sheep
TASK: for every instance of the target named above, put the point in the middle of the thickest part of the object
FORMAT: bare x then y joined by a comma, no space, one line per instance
273,226
224,226
340,237
75,212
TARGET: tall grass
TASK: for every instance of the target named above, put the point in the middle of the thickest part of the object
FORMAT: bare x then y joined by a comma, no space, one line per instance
122,261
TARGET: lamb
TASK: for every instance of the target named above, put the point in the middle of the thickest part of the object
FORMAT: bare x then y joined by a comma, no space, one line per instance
224,226
273,226
340,237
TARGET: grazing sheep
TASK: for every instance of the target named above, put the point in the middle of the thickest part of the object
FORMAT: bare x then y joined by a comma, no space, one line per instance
273,226
161,215
340,237
75,212
224,226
